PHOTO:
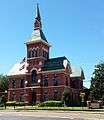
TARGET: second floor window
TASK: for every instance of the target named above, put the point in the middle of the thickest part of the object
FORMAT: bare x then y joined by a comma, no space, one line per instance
13,84
34,76
22,83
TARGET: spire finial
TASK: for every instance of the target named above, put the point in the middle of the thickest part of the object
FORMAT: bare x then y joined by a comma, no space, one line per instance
37,24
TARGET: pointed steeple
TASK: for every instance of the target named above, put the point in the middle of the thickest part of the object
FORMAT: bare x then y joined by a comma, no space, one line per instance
37,23
37,34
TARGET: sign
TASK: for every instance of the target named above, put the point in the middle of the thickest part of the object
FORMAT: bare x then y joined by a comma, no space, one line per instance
95,105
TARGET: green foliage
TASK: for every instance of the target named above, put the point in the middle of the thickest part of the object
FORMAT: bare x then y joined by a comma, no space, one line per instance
97,82
51,104
3,83
19,103
14,103
11,103
66,96
0,101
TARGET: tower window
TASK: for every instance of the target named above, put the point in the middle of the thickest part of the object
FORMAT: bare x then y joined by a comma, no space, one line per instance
34,76
45,54
29,54
33,52
36,53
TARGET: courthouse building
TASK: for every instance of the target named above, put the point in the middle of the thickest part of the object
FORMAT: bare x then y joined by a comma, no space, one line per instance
38,77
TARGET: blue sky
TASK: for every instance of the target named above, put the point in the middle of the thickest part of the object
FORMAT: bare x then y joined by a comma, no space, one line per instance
74,28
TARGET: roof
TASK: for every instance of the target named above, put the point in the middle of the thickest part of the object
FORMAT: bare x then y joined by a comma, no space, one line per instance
59,63
51,64
18,69
55,64
76,71
37,35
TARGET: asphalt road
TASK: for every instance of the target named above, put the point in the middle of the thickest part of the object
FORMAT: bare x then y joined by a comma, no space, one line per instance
13,117
32,118
51,115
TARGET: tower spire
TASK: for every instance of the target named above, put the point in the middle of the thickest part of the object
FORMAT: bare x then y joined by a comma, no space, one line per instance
37,23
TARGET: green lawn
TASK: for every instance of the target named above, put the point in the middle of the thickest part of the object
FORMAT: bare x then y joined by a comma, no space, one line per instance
30,108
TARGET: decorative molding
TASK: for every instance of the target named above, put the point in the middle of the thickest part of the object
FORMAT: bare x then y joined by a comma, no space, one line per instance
50,71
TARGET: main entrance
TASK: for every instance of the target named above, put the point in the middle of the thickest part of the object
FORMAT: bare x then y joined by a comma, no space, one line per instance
33,97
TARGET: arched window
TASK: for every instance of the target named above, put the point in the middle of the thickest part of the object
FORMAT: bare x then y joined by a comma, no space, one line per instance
45,54
34,76
36,53
33,53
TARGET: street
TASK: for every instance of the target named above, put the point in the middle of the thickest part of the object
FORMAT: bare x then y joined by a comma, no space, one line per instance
29,118
50,115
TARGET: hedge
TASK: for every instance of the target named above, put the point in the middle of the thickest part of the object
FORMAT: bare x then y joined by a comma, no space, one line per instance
51,104
14,103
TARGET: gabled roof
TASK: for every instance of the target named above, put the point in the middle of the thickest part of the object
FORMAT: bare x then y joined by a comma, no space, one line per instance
54,64
76,72
18,69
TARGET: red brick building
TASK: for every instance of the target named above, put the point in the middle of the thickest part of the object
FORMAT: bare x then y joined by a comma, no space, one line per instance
38,77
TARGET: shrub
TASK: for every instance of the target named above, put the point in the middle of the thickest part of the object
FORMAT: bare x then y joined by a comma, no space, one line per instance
14,103
20,103
11,103
51,104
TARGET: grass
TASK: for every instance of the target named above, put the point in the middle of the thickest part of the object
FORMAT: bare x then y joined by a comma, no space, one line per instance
31,109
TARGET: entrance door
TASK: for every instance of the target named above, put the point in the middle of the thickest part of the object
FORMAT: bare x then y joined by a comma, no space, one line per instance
33,97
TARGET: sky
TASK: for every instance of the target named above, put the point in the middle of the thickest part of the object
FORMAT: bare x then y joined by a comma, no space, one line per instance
74,28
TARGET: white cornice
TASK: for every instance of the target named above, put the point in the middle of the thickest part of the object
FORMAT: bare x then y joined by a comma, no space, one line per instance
37,41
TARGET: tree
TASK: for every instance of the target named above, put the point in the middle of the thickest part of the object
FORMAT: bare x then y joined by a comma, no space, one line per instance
97,82
66,96
3,83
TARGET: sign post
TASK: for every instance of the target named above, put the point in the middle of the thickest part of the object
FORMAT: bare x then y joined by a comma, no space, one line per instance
82,95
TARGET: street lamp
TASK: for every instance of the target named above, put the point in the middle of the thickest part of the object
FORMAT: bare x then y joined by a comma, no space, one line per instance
39,80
